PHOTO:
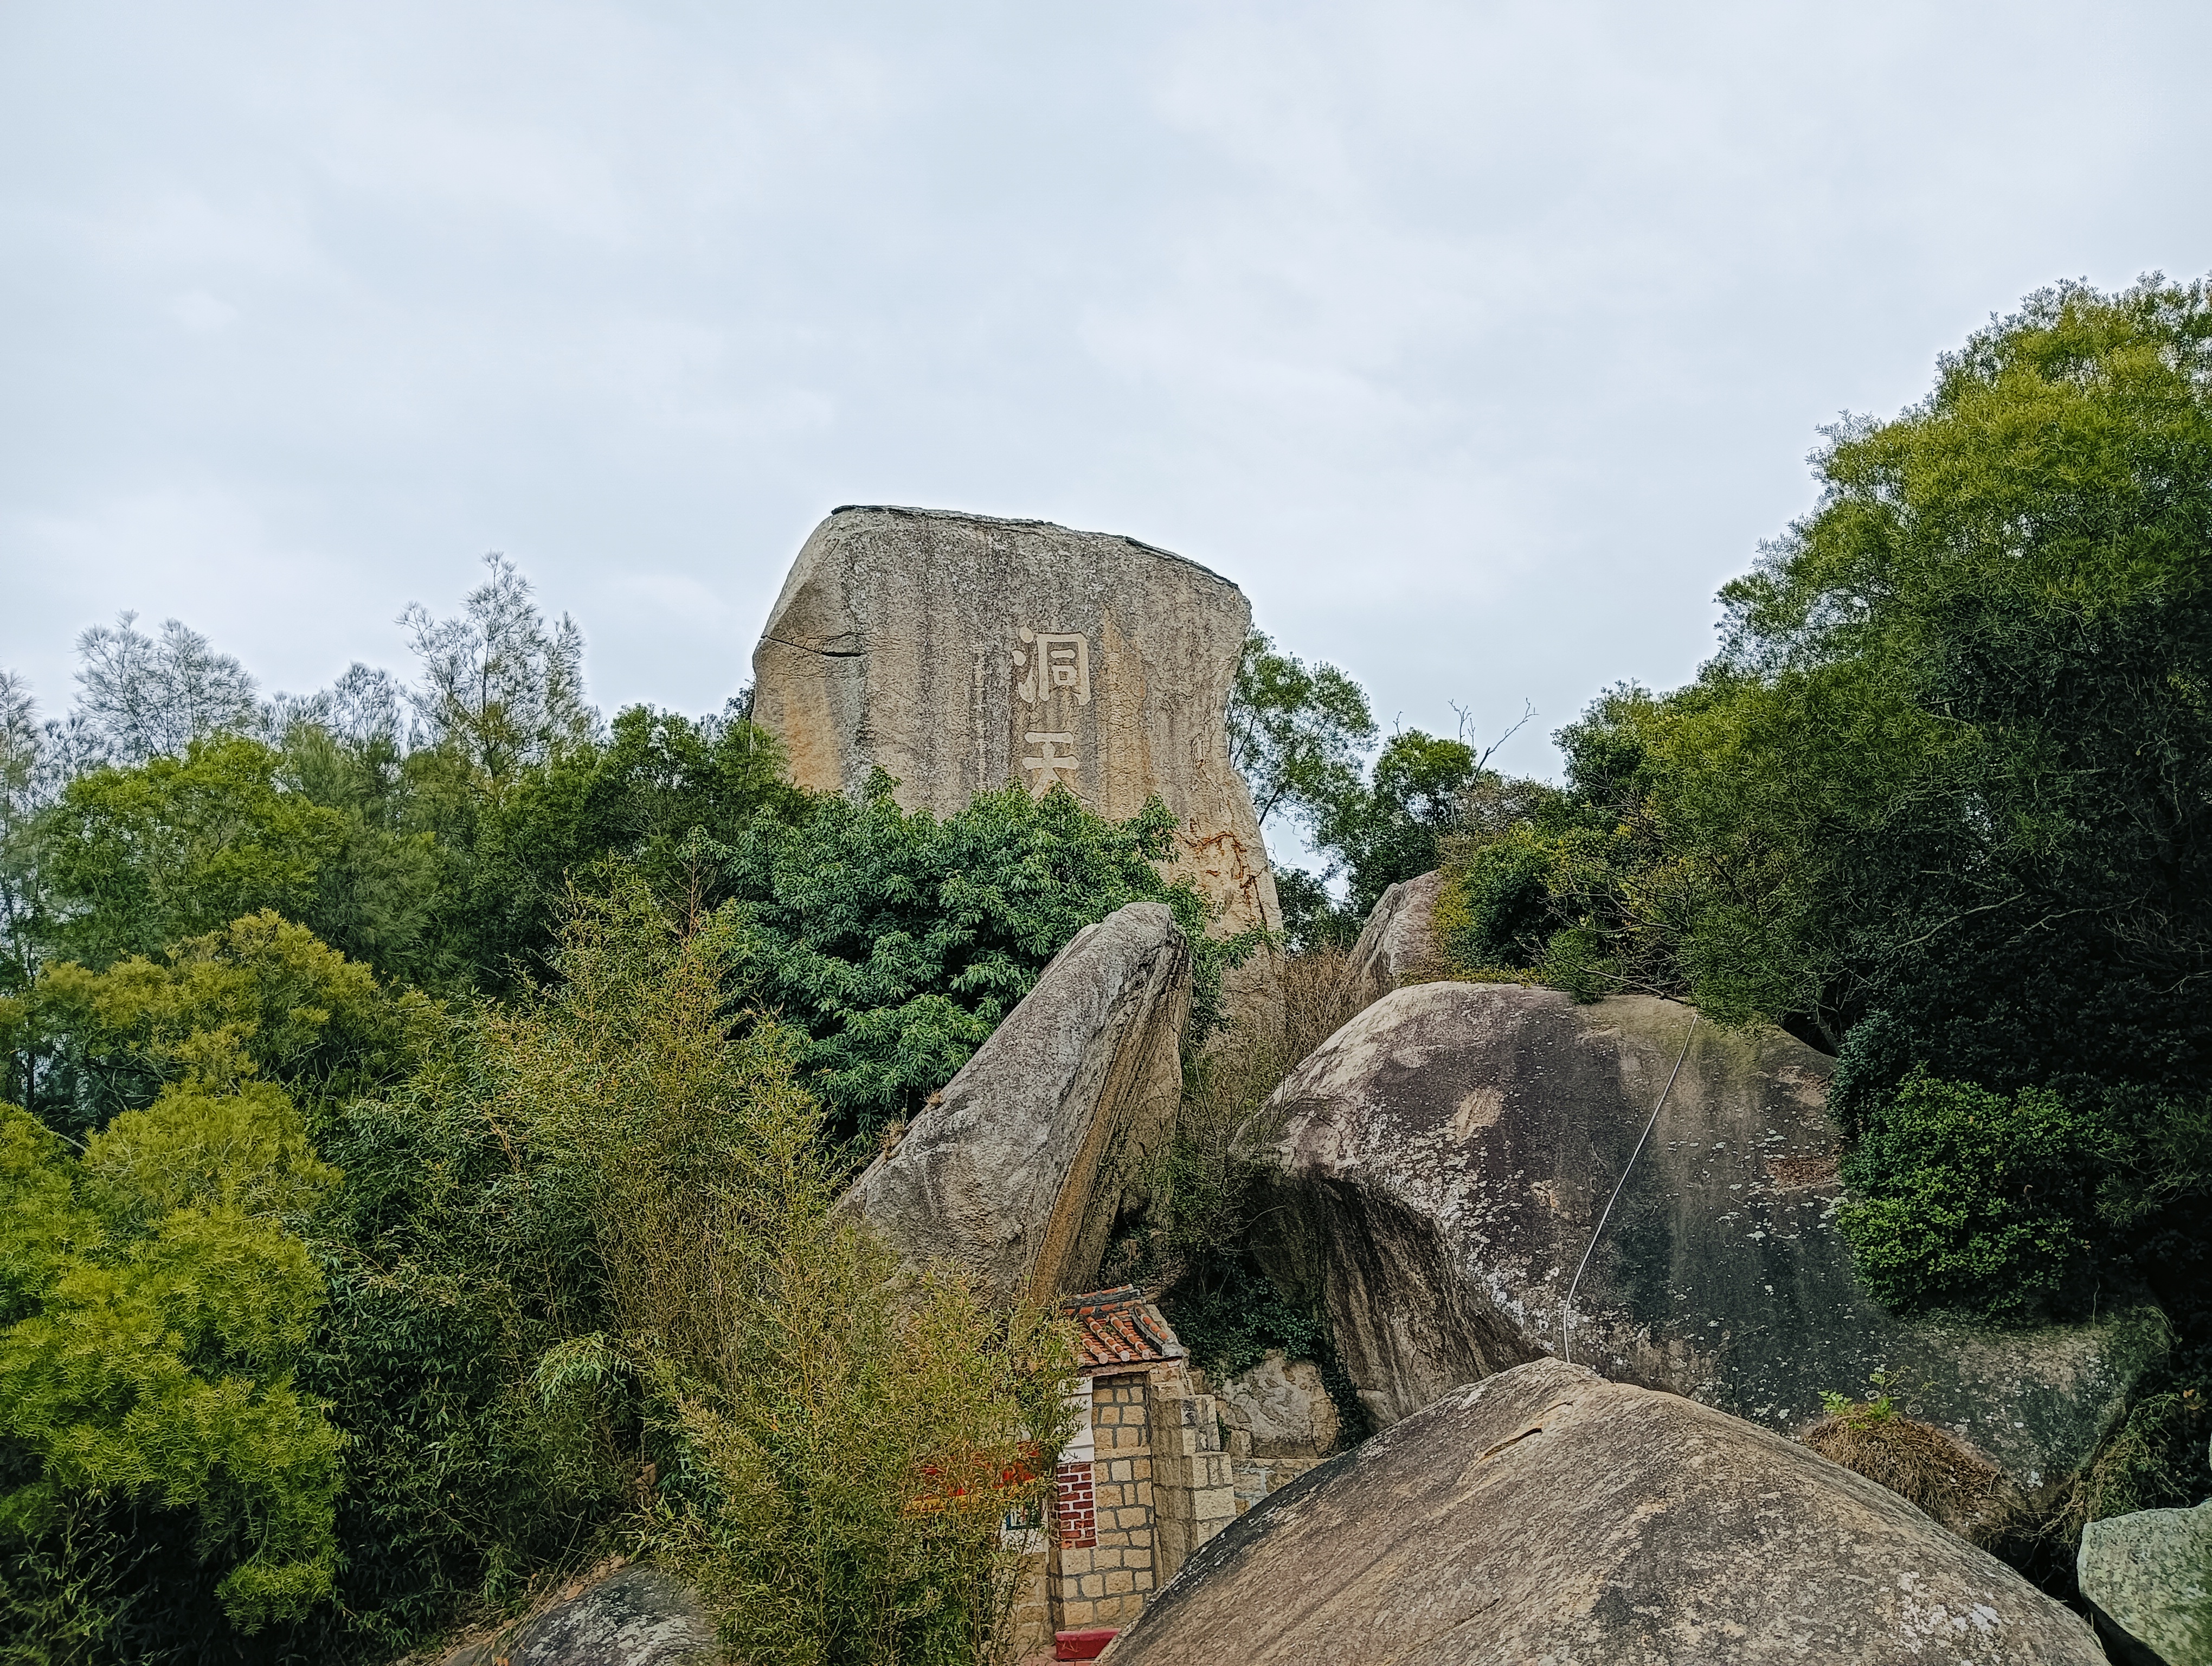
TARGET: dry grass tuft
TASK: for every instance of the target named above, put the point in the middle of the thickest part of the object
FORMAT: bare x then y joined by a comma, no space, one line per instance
1261,1044
1197,1188
1924,1466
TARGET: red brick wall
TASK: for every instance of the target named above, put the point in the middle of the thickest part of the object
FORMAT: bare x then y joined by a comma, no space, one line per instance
1072,1509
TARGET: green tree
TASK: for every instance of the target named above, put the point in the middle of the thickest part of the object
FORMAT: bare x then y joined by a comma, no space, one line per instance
134,859
155,1307
376,892
498,683
896,942
1943,802
1388,830
138,699
260,998
587,1274
842,1443
1295,733
2021,562
507,858
21,895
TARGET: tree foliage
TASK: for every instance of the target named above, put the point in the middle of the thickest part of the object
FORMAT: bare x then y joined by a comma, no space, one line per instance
1295,733
410,1223
140,698
134,859
1388,831
156,1309
260,998
498,684
1943,803
593,1261
1298,736
895,943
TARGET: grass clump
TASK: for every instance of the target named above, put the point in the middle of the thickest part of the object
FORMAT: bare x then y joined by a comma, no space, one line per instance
1921,1463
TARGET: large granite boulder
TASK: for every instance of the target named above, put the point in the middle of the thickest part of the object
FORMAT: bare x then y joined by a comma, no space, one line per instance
1444,1161
1549,1515
1399,942
1018,1168
2149,1575
961,652
636,1616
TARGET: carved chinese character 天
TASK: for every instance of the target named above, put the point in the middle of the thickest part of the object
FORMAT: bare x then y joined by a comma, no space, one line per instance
1054,660
1044,768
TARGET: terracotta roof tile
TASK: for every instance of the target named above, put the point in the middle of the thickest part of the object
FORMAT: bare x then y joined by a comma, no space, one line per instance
1117,1328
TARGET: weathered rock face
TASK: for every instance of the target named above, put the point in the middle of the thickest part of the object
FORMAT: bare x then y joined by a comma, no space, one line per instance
1445,1158
1280,1422
961,652
638,1616
1549,1515
1281,1407
1017,1169
2150,1576
1399,941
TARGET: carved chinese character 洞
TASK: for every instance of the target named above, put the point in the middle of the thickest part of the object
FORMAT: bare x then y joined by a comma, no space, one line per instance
1044,768
1054,660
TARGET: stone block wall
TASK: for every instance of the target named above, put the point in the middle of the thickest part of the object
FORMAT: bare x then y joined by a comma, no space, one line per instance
1192,1492
1031,1620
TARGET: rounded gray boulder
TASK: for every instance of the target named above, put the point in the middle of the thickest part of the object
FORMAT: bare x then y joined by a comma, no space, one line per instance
2149,1575
1445,1160
1549,1515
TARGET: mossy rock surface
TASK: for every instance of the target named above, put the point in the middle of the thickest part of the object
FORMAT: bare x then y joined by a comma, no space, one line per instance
1445,1161
2150,1576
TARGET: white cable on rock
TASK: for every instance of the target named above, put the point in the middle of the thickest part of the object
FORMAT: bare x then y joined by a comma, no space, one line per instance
1567,1313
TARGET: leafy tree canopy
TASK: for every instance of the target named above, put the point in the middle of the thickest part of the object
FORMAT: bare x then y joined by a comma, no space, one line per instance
1388,831
155,1309
1943,801
896,942
140,698
498,684
136,857
260,998
1295,733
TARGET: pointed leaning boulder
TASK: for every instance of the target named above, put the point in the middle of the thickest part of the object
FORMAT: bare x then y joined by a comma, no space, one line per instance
1016,1170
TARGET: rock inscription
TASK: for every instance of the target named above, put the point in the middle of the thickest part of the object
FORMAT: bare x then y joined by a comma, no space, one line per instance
961,652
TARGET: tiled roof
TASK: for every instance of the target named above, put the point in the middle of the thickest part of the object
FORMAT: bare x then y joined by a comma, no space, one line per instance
1117,1328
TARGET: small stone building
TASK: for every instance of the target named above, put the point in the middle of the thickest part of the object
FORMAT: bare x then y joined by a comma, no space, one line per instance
1143,1481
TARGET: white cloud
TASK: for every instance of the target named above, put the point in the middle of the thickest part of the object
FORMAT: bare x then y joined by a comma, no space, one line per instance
1479,341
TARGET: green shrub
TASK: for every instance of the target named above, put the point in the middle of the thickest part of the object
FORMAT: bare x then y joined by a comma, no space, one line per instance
2156,1459
1495,908
1207,1190
588,1283
1966,1198
896,942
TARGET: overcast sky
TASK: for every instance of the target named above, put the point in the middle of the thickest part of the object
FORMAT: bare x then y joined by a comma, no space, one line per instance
1479,343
